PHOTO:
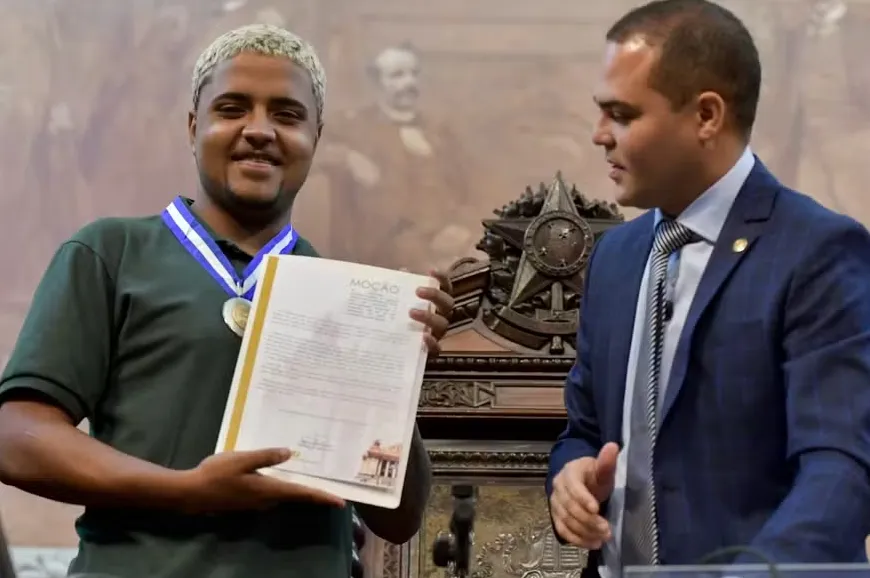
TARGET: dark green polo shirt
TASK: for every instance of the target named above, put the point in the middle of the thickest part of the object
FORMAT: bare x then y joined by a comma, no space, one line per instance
125,329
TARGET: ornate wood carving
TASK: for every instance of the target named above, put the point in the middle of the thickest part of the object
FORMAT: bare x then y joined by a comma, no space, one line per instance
529,291
392,562
495,385
524,299
456,394
529,552
521,544
502,459
499,363
502,396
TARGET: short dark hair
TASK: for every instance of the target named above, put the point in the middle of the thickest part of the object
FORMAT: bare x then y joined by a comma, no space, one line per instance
703,47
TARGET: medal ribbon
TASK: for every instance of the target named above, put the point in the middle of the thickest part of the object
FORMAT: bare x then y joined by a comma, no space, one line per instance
193,237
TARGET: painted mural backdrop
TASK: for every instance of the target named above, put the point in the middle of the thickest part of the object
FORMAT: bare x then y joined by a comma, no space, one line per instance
437,113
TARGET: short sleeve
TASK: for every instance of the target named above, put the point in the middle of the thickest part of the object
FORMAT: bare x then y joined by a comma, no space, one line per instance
64,347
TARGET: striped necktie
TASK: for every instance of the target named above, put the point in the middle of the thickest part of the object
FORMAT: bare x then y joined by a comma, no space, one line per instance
640,523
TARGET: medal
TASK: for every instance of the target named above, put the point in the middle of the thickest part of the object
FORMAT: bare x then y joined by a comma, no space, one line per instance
236,311
197,241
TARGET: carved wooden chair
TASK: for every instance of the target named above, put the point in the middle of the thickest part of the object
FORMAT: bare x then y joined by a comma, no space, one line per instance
492,402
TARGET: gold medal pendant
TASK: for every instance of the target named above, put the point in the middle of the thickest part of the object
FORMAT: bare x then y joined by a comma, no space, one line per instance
235,312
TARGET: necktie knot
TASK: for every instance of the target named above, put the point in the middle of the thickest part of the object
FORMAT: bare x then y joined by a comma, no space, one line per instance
672,236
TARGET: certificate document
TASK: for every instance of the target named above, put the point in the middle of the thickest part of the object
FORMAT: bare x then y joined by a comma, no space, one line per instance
331,368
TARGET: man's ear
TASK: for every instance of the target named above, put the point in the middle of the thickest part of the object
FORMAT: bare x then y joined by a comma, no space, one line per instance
318,134
711,112
191,129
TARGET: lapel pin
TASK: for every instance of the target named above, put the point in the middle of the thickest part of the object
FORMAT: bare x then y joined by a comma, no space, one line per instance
740,245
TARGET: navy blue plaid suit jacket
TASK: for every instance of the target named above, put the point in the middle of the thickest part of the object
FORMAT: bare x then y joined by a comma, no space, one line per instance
765,432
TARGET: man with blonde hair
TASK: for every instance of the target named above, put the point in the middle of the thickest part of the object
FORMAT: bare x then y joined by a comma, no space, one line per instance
126,330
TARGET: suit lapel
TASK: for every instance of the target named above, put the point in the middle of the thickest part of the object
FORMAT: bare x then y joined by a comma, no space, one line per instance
745,223
624,288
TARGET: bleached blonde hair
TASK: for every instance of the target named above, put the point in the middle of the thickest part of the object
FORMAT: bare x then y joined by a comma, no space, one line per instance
267,40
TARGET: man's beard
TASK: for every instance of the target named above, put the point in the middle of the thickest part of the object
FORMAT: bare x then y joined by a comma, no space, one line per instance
252,210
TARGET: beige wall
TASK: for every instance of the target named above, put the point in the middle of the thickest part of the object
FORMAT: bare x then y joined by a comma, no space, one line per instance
93,101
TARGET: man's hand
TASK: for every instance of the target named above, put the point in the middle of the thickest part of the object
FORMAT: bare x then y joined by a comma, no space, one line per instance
437,321
230,481
578,491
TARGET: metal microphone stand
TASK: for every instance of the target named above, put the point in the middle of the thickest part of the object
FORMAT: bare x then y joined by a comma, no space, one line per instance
452,550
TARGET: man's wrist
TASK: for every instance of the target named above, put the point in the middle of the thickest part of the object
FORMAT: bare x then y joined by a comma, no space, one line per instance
165,489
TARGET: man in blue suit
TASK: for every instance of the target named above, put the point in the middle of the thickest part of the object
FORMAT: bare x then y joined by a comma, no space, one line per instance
721,393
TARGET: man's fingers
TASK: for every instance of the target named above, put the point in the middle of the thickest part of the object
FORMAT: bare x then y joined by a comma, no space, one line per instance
286,491
576,490
443,280
568,535
575,509
320,497
436,322
432,344
442,301
586,529
588,523
251,461
605,465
